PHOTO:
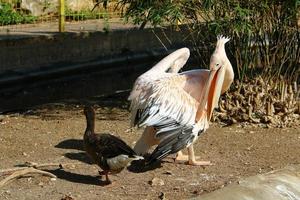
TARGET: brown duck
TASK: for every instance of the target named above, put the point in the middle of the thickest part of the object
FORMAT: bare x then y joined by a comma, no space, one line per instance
108,151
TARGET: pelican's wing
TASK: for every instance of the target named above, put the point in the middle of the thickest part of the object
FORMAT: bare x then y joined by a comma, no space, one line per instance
144,85
178,140
164,104
170,105
171,63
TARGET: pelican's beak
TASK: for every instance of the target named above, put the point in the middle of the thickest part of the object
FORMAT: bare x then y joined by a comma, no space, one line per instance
212,91
215,89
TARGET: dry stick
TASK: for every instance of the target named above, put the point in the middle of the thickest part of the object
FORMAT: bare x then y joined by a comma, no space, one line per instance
36,166
60,165
9,171
23,172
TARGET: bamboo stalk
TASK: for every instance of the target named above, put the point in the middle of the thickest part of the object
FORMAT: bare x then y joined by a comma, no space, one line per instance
282,97
250,111
295,87
269,109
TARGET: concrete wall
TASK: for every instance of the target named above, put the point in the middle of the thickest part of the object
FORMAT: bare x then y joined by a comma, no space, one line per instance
53,67
40,51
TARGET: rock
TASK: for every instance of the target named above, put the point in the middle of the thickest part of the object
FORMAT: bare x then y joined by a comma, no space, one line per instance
75,5
156,182
44,7
39,7
280,184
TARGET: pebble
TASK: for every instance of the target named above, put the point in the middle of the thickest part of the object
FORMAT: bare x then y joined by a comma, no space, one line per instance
156,182
67,197
41,184
168,173
162,196
7,192
195,183
180,179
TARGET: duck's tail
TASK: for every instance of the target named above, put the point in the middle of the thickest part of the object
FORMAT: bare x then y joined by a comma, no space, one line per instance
136,157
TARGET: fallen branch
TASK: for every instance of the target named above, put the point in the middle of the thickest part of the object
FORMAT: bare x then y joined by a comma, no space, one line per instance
36,166
31,168
23,172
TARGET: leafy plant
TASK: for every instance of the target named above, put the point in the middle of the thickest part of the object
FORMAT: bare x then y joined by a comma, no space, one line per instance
9,16
265,34
155,12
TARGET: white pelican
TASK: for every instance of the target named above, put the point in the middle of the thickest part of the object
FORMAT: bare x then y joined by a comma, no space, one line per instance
176,107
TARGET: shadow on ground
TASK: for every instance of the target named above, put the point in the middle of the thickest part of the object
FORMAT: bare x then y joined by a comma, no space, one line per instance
140,166
78,178
80,156
76,144
71,144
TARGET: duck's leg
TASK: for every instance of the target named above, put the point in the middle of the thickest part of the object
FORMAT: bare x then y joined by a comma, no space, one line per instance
101,173
105,172
107,179
192,159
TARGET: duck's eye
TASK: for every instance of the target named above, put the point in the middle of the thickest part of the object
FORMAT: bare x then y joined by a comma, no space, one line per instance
217,64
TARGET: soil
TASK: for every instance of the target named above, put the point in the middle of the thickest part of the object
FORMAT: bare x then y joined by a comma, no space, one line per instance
53,133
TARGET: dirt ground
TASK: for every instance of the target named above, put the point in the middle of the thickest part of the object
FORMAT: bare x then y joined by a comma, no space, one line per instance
53,133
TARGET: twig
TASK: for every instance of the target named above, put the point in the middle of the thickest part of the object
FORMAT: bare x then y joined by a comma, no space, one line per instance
23,172
27,165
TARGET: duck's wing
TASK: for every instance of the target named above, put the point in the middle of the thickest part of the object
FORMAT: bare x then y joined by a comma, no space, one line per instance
110,146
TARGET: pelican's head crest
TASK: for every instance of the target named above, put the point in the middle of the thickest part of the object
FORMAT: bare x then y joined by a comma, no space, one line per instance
222,39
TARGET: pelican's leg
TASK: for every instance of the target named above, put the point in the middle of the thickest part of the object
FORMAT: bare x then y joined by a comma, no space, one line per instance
192,159
181,158
146,141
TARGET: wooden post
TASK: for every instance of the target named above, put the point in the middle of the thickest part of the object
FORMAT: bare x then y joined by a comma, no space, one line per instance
61,27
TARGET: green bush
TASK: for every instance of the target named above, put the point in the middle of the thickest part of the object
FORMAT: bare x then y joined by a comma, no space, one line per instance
265,33
9,16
